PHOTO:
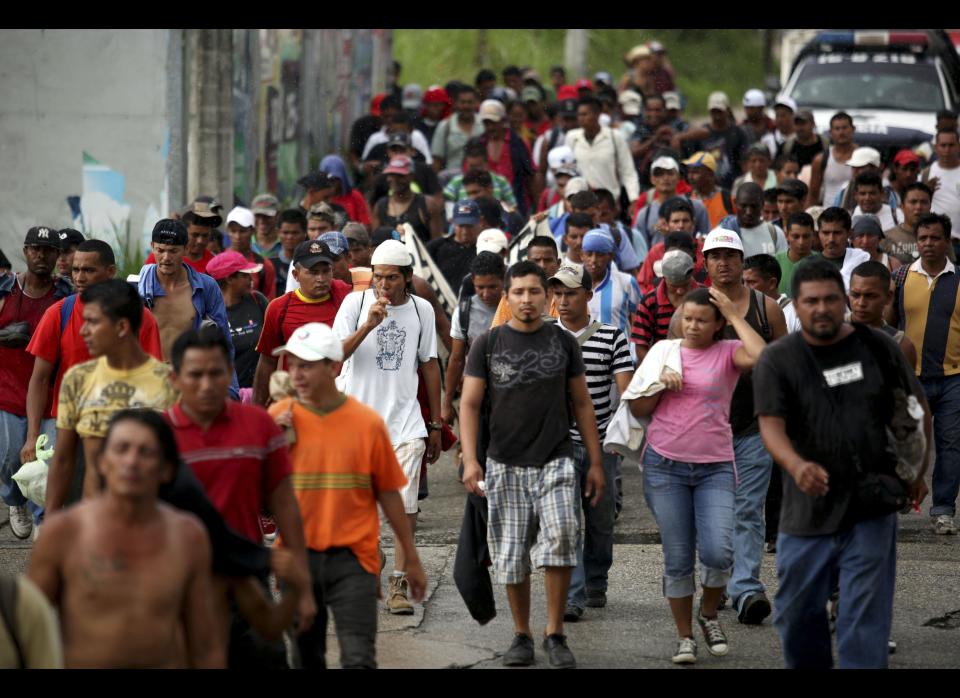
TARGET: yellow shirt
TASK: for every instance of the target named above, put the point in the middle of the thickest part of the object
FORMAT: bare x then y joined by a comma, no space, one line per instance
92,392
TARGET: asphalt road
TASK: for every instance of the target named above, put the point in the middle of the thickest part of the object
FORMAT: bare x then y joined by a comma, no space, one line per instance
635,629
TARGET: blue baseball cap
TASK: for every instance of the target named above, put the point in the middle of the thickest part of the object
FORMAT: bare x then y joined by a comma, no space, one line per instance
336,241
599,240
466,212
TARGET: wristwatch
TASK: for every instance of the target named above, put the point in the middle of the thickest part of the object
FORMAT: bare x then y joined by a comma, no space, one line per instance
434,426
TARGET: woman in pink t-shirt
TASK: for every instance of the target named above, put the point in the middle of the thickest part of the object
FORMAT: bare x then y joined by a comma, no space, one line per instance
689,476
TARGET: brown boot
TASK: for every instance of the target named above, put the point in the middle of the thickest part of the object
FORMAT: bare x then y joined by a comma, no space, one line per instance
398,602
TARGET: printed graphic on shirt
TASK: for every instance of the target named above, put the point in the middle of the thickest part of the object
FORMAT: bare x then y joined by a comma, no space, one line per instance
391,340
509,368
842,375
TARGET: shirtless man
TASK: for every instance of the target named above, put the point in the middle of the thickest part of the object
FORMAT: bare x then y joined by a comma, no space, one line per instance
180,297
131,576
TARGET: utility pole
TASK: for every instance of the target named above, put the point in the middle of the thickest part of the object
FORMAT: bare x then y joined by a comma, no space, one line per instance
483,49
575,53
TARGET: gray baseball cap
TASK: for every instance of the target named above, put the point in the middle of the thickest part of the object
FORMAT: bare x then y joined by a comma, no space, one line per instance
675,267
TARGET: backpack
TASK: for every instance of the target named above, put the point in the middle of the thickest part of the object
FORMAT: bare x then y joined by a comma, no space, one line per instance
8,613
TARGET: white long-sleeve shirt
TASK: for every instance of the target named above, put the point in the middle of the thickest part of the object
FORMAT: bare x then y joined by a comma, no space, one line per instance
606,163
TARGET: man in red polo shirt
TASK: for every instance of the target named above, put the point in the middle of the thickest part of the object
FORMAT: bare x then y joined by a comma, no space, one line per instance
239,455
57,347
201,219
316,300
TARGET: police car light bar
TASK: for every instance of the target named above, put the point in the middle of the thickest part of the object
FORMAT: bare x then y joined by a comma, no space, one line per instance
916,40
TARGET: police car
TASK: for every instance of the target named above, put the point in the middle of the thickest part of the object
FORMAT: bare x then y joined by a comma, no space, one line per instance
892,83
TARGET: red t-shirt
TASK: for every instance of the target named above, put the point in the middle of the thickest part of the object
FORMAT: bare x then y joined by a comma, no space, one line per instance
50,344
16,365
355,206
199,266
297,312
240,460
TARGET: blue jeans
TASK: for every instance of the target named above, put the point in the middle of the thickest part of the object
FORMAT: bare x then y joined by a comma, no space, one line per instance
693,506
753,474
595,554
943,394
865,559
13,435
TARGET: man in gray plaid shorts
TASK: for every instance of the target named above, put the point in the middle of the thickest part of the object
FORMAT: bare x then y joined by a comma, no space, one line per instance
535,375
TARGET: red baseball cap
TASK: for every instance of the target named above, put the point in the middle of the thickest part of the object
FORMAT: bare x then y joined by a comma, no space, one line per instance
584,84
230,262
436,94
567,92
904,156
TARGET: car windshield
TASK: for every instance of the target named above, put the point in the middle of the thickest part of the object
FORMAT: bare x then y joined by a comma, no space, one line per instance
862,81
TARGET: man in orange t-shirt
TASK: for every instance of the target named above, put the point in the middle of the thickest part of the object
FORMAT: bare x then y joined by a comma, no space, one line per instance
343,466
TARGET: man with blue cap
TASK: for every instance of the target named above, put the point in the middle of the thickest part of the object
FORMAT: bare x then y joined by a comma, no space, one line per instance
615,294
454,253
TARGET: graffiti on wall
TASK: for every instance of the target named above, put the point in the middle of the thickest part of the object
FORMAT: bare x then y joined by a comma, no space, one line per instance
280,60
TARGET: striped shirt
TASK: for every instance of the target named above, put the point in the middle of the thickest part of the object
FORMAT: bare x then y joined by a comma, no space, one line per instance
928,310
615,300
652,322
606,353
502,191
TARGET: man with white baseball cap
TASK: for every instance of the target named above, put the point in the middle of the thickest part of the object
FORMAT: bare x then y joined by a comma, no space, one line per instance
784,109
864,159
665,175
240,227
388,334
723,251
756,125
335,440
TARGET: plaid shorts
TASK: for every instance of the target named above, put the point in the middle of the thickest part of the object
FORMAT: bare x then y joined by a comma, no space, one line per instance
533,516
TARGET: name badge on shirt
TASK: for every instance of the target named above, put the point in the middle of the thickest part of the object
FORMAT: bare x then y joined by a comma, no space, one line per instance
841,375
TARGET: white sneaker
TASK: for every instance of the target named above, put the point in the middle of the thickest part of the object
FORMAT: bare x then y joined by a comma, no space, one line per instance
686,651
21,521
713,634
942,525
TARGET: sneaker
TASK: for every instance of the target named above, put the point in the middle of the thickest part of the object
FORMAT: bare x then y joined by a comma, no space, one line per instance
596,598
754,609
21,521
686,651
268,527
942,525
398,602
712,633
572,614
891,646
558,653
771,546
520,652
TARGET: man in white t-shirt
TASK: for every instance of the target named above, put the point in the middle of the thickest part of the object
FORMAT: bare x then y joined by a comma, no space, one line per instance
388,334
943,177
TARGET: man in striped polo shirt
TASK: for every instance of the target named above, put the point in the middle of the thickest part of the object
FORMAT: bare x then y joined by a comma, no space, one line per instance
927,308
652,321
615,294
606,356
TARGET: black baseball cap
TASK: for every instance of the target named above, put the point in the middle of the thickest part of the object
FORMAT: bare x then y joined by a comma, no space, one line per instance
42,236
310,252
398,138
794,188
567,107
169,232
70,237
316,180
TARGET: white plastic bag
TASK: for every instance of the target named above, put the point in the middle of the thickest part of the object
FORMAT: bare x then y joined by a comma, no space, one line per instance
32,476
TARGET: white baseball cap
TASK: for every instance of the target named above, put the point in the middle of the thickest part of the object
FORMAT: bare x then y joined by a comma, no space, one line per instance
561,160
722,238
492,110
864,156
313,342
718,100
754,98
665,163
391,252
788,102
492,240
630,102
241,216
574,186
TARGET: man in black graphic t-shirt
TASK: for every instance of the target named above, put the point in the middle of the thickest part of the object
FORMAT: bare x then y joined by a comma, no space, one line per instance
533,370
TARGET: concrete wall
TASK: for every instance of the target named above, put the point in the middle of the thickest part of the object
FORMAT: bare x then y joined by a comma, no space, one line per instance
64,93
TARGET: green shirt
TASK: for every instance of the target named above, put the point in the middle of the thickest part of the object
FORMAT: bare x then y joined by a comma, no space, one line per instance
786,268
